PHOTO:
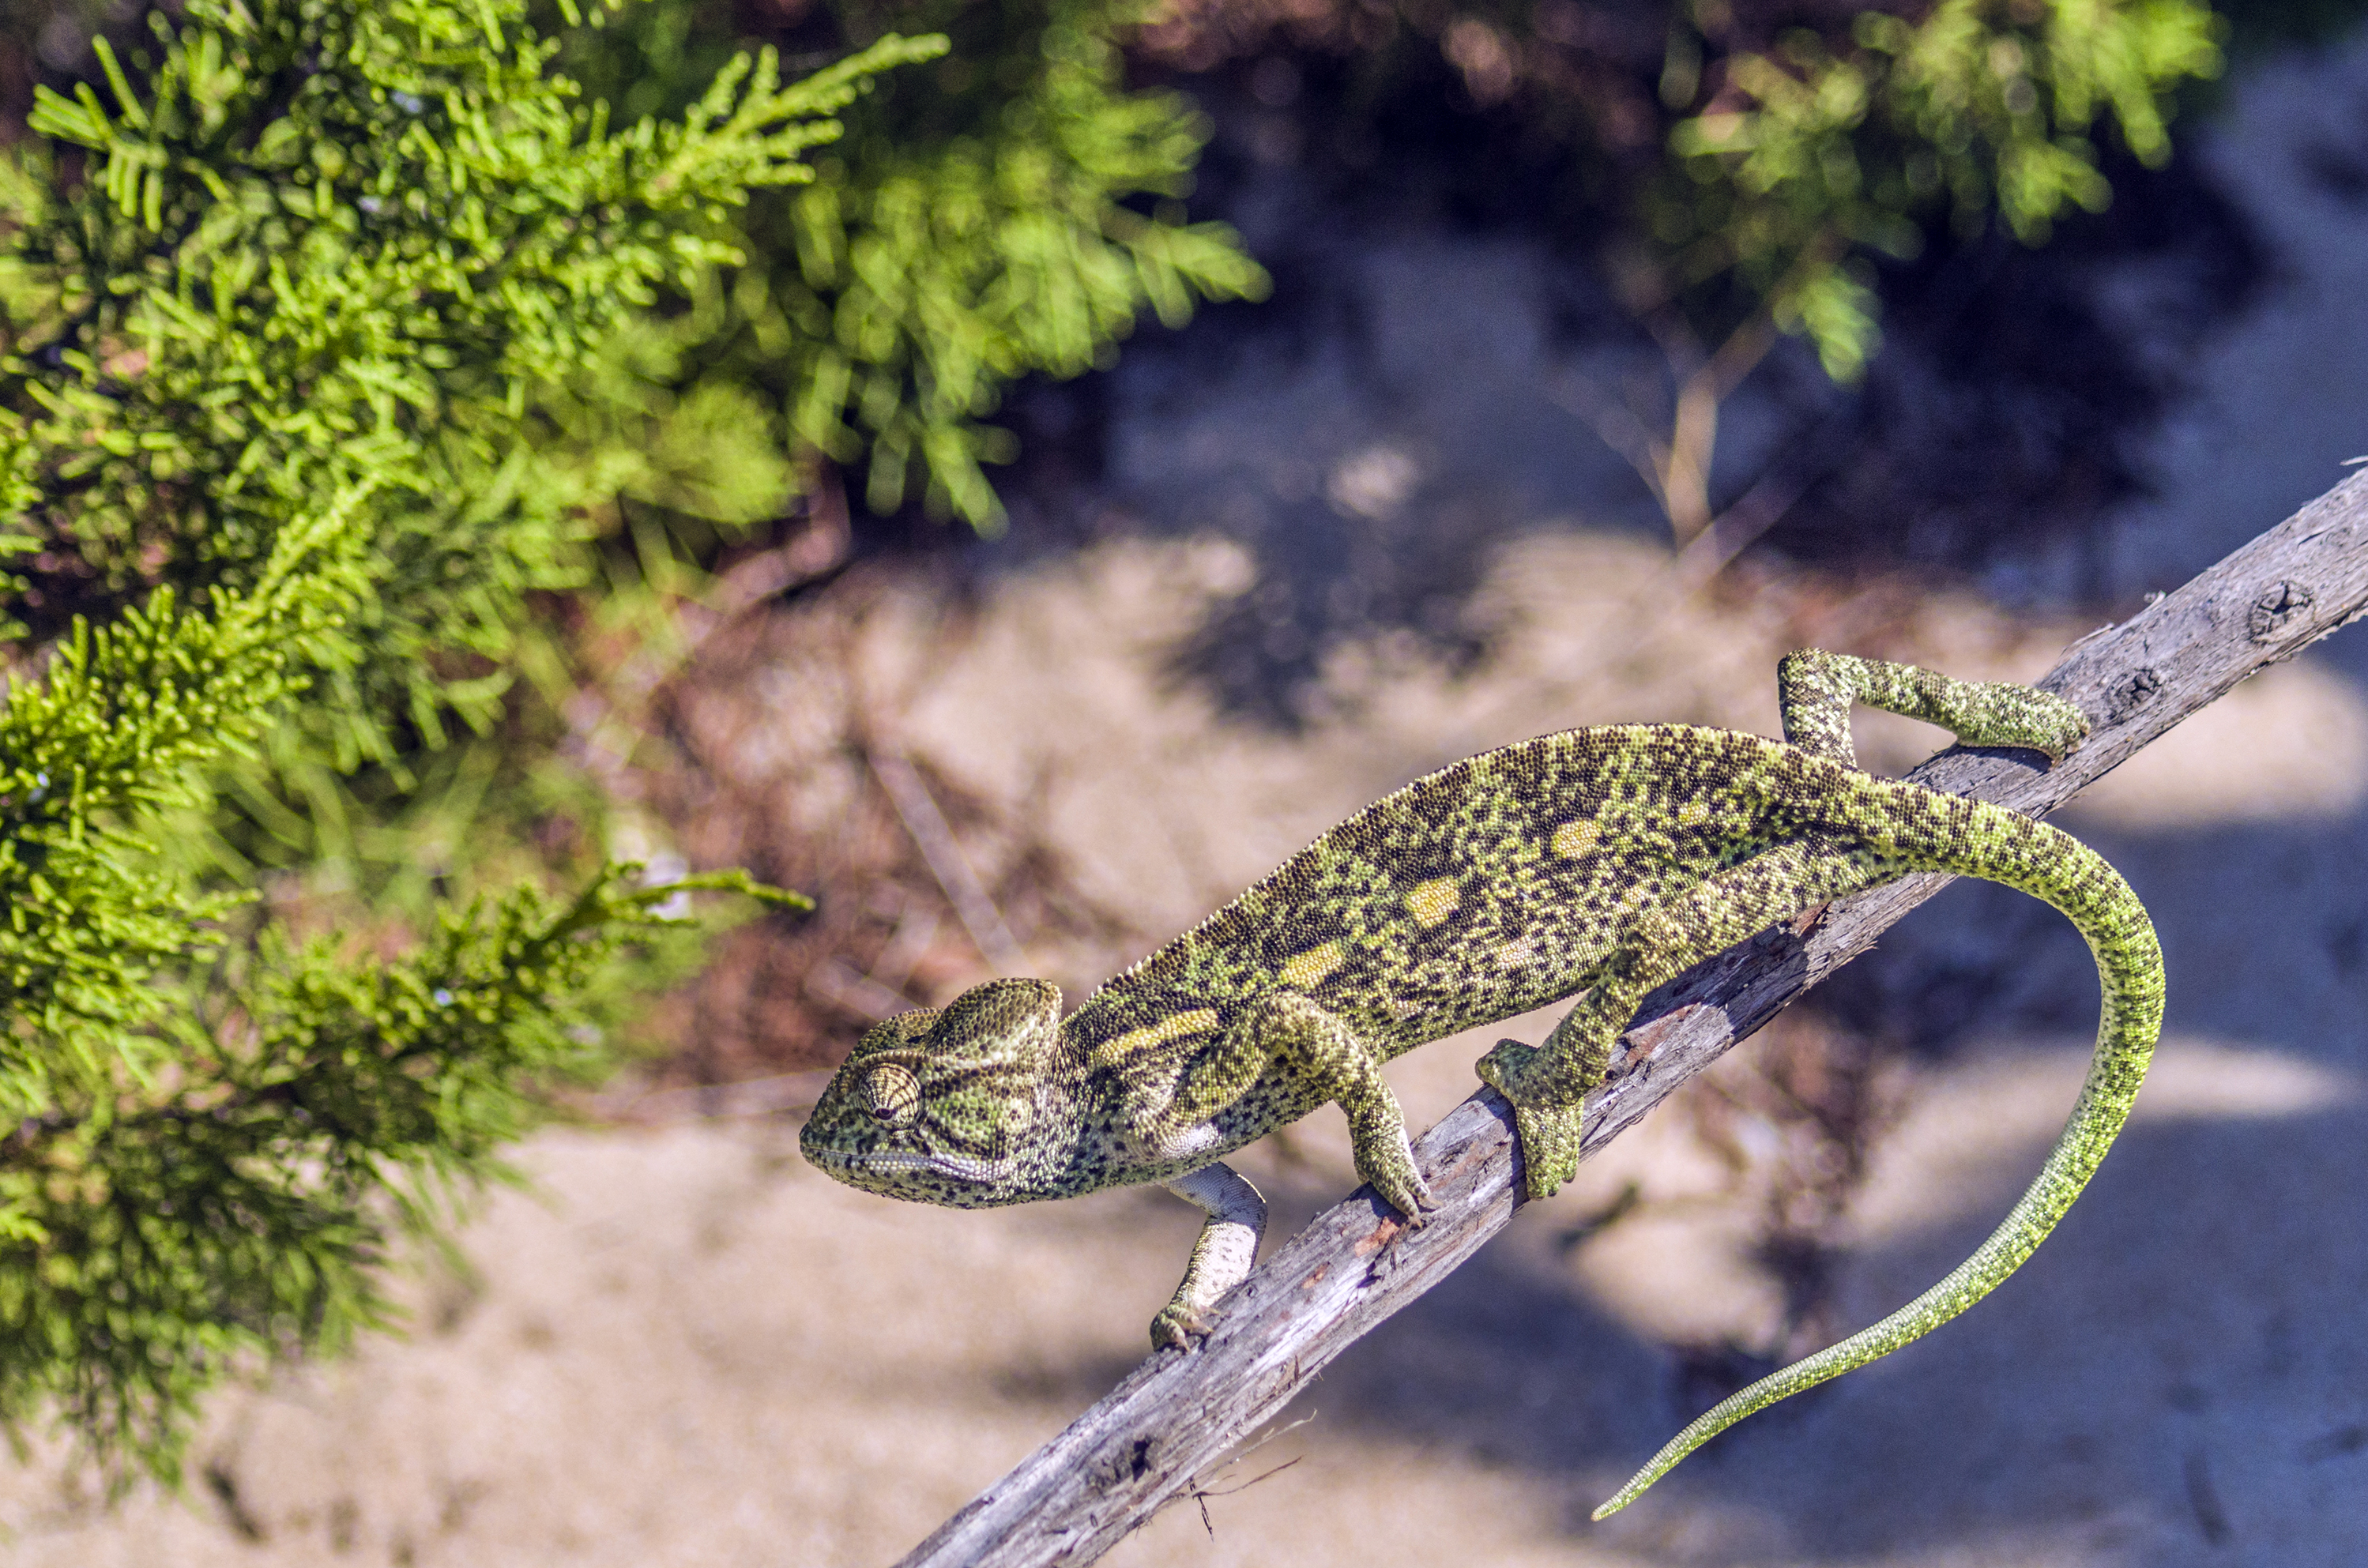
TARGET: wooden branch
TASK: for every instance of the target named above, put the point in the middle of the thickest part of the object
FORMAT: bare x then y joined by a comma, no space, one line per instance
1179,1414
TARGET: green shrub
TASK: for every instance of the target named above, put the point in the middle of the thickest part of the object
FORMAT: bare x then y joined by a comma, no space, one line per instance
280,305
1007,211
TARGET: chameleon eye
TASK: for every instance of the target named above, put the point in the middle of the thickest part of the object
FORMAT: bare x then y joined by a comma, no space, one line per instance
893,1093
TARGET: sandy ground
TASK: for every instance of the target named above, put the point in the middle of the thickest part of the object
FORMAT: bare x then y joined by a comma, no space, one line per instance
685,1346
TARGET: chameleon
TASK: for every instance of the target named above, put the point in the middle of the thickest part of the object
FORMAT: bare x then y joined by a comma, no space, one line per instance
1592,864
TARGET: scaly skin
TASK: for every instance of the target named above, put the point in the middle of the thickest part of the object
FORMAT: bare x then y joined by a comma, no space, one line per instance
1598,860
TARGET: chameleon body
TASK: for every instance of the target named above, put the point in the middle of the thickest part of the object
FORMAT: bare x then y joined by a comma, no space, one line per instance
1602,861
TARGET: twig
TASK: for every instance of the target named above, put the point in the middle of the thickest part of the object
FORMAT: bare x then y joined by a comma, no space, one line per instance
603,719
1178,1413
1693,424
839,984
1677,471
1202,1495
1618,426
1778,489
918,810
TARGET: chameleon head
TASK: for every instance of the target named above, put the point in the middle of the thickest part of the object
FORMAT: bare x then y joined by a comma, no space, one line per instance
949,1105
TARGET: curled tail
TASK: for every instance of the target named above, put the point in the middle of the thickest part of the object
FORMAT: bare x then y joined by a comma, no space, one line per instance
1975,838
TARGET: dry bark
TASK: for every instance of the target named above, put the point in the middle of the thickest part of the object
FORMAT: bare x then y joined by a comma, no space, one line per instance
1179,1414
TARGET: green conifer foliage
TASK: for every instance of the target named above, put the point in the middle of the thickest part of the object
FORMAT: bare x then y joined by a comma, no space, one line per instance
984,236
328,241
1007,211
1739,160
280,305
212,1141
1825,149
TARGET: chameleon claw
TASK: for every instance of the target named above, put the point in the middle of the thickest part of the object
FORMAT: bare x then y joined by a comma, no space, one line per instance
1548,1133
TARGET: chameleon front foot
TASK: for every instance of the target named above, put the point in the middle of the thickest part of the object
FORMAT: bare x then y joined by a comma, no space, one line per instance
1179,1326
1386,1161
1549,1134
1549,1147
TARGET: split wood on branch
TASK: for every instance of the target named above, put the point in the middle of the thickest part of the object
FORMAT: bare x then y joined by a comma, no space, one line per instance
1174,1418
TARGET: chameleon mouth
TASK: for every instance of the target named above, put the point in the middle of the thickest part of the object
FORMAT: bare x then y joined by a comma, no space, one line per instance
859,1163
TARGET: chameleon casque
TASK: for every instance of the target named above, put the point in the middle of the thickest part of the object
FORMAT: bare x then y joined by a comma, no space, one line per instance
1602,861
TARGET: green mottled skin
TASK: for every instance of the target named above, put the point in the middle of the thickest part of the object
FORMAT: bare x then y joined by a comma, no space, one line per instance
1600,861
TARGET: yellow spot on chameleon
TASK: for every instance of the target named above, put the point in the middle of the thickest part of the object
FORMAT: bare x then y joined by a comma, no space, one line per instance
1198,1020
1432,902
1693,813
1304,969
1574,838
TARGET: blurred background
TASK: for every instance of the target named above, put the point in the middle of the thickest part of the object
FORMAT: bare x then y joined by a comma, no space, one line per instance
1163,429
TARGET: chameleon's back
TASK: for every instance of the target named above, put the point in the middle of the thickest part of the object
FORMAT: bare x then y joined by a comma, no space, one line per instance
1485,890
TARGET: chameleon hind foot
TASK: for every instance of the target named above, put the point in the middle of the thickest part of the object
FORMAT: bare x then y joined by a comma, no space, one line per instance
2024,716
1549,1134
1816,689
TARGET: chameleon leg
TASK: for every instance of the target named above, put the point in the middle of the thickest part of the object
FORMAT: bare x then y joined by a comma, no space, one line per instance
1318,1050
1817,689
1548,1084
1221,1259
